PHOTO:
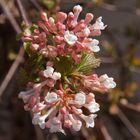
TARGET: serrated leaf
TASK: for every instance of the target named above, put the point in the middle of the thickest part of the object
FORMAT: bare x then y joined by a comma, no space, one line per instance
64,65
88,62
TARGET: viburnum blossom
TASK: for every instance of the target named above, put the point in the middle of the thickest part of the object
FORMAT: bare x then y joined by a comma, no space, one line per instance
60,81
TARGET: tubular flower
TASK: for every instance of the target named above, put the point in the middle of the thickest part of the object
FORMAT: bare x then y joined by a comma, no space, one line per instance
60,80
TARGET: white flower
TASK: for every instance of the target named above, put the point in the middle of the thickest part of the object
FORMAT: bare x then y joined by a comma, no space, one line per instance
89,120
51,21
56,126
48,72
90,98
77,8
92,107
76,11
40,120
76,110
56,76
70,38
86,31
108,82
92,44
39,106
76,124
99,25
80,98
25,95
35,46
51,97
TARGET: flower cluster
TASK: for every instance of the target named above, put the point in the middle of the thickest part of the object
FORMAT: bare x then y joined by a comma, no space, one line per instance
61,94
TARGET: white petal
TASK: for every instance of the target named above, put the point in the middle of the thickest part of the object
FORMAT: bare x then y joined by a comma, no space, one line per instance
40,120
56,126
70,38
80,98
25,95
108,82
48,72
92,107
76,124
77,8
86,31
51,97
103,77
99,25
89,119
92,44
95,49
35,118
51,20
56,76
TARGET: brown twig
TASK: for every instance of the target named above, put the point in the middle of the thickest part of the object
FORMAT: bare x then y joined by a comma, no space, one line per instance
104,135
11,71
19,58
37,6
23,13
39,134
115,110
10,16
129,106
129,125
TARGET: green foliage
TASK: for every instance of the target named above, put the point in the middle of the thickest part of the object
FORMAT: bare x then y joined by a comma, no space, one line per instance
34,64
33,27
87,64
67,64
49,4
27,46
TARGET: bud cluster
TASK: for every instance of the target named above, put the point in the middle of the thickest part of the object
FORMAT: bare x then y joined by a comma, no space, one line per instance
66,85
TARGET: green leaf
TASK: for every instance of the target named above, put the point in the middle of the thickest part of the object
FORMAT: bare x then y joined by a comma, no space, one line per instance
27,48
33,27
88,62
34,64
64,65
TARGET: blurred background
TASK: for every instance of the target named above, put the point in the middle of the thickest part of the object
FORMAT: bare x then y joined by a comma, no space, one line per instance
119,117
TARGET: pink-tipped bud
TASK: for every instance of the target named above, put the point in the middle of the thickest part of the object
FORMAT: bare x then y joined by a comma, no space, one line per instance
63,110
89,17
58,39
77,9
60,92
61,16
35,47
67,123
44,16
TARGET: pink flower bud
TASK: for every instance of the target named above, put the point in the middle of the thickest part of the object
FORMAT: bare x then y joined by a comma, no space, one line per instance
44,16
